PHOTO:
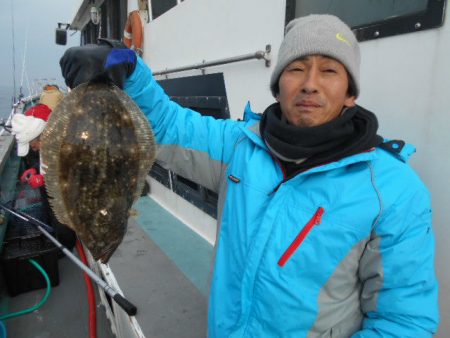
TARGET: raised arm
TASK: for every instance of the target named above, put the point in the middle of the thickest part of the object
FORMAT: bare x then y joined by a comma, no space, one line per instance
192,145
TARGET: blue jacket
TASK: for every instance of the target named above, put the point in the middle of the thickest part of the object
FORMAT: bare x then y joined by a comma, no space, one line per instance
343,249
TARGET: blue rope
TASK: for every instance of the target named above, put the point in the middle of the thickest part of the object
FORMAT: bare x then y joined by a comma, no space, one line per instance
3,333
43,300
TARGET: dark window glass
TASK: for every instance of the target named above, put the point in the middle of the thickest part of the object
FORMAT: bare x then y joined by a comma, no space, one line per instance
371,19
114,16
361,12
159,7
90,33
205,94
104,21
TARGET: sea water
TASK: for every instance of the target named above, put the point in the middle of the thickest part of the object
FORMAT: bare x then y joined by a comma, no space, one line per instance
6,94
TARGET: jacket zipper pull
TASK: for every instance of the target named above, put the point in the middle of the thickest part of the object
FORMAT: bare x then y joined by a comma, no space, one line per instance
315,220
234,179
318,216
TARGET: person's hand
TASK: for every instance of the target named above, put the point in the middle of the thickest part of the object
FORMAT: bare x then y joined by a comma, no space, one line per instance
31,177
109,60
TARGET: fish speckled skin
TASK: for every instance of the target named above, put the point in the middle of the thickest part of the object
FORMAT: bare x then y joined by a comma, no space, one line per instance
96,151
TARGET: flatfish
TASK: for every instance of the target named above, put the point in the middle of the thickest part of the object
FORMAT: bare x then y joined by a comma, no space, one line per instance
96,151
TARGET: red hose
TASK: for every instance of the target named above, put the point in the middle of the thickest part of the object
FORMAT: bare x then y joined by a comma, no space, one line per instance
90,294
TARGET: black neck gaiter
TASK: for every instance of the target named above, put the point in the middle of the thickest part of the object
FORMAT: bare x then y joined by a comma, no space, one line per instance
353,132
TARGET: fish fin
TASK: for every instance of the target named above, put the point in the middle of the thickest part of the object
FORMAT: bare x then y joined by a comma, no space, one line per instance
133,213
107,252
146,142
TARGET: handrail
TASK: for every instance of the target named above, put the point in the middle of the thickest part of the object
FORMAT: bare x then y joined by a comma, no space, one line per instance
257,55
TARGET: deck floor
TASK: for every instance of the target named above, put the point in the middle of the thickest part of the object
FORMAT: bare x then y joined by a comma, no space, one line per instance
161,266
64,315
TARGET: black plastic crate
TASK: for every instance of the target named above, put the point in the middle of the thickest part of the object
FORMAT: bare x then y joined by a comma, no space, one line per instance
22,242
20,229
20,275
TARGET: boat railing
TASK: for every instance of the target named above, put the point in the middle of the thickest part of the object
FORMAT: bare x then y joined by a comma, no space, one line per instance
260,54
18,107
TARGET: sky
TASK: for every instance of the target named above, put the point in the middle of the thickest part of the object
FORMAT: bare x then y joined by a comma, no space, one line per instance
36,53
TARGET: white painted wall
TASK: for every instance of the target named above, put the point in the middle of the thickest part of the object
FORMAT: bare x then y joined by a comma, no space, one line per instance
405,80
219,29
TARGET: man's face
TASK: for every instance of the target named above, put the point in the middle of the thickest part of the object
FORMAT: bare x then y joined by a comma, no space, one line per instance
313,90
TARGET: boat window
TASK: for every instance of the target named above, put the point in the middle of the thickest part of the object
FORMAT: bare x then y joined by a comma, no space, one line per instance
205,94
162,175
371,19
113,16
159,7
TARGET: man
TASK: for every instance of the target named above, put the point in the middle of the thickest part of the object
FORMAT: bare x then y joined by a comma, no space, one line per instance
29,126
51,96
325,231
27,129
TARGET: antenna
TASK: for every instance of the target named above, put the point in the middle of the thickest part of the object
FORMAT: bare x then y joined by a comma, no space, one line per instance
13,48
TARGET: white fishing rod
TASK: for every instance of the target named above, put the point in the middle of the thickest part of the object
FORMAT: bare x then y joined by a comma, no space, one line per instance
128,307
24,58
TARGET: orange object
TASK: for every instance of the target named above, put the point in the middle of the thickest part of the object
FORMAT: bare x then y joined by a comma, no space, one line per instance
133,34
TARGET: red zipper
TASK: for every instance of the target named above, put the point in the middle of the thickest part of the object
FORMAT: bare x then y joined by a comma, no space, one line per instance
315,220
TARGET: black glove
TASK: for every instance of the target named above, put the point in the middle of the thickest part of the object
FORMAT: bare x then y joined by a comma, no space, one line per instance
109,61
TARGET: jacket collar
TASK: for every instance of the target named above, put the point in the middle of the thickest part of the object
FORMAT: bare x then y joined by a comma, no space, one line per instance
250,128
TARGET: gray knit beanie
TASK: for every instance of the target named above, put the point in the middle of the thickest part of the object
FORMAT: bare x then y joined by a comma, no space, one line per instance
318,34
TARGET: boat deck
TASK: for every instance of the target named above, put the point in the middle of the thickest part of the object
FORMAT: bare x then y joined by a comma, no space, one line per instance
64,315
161,266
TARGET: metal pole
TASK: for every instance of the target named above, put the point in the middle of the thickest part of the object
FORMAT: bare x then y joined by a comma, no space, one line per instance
128,307
257,55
